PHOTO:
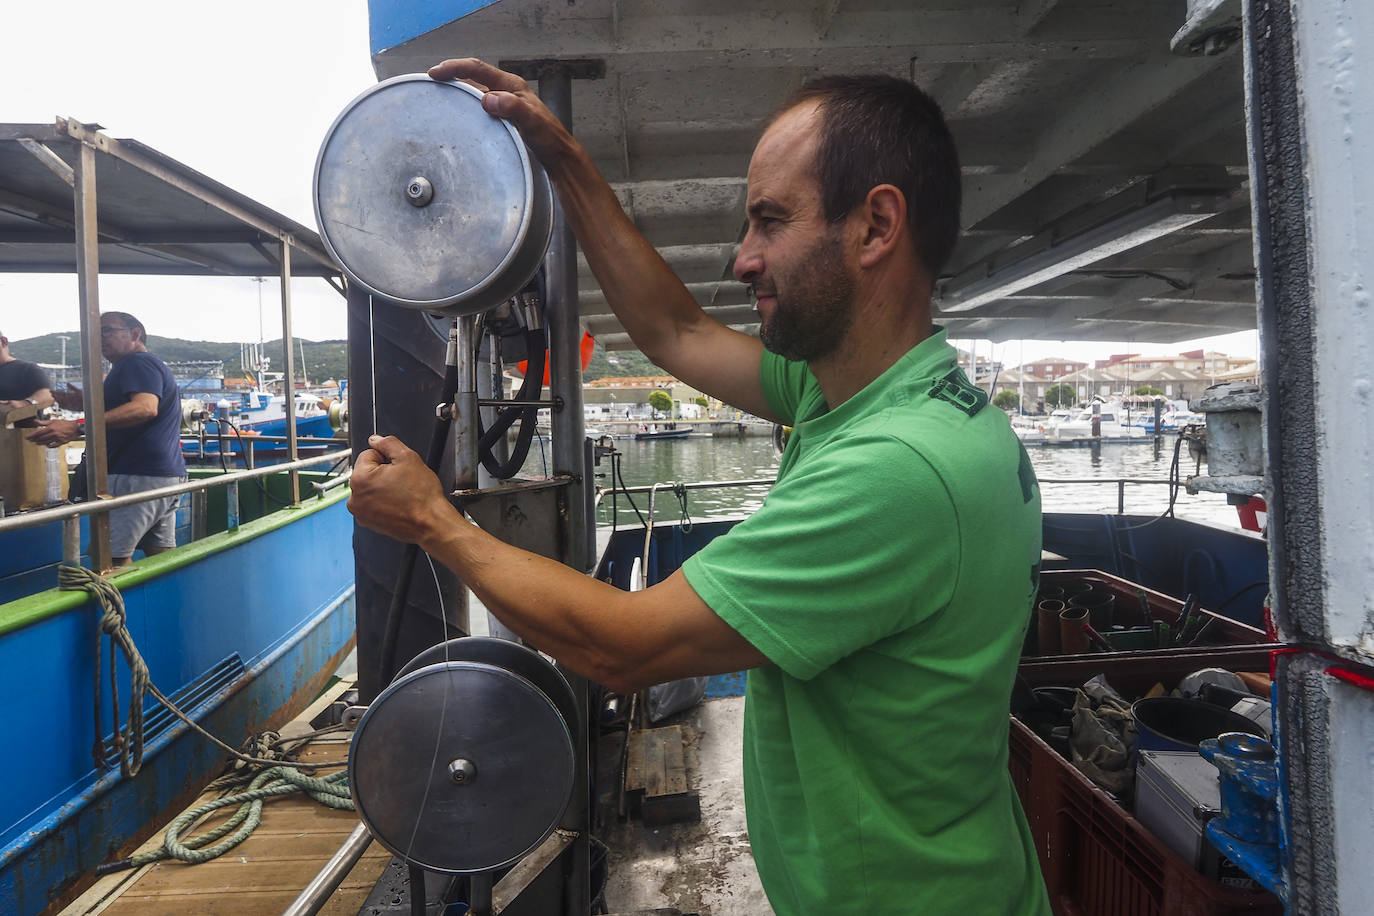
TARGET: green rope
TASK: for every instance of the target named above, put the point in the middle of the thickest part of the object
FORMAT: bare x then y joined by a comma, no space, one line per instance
684,518
282,777
113,620
331,790
129,744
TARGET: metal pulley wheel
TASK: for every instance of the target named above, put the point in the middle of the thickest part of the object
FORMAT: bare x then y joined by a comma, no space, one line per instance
426,200
466,764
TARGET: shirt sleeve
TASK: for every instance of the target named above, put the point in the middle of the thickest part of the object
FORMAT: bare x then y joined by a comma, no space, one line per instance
35,379
141,376
854,545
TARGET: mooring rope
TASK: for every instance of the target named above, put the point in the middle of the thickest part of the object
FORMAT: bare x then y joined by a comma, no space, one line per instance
331,791
282,776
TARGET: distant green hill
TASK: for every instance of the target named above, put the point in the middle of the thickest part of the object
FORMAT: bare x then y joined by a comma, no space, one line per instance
324,359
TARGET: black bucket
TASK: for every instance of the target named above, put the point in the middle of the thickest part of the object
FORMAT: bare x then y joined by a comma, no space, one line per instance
1100,606
1178,724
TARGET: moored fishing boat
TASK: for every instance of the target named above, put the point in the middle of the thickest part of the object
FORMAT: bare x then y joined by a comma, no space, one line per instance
231,625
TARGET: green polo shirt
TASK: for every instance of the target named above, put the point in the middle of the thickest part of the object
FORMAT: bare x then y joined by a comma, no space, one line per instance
888,577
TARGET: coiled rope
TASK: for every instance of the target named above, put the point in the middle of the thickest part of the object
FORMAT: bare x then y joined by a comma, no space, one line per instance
281,776
331,791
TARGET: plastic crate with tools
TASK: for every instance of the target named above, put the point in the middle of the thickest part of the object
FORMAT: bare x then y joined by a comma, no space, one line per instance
1096,856
1087,611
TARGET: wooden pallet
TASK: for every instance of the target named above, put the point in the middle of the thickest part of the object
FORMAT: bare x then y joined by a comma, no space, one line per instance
263,874
656,777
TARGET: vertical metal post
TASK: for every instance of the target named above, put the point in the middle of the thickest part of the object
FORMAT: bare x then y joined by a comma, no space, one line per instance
290,382
93,394
71,541
565,338
231,505
1121,497
465,406
565,378
199,512
479,900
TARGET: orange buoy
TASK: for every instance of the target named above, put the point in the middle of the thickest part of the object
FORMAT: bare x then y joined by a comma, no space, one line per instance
585,349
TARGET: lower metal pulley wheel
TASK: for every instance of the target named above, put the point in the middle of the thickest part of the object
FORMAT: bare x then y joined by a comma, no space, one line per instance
465,766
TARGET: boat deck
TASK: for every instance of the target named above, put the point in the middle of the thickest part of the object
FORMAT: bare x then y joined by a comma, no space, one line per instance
264,873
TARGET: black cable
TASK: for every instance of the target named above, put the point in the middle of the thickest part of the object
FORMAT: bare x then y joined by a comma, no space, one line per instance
258,480
628,498
437,440
1174,486
536,347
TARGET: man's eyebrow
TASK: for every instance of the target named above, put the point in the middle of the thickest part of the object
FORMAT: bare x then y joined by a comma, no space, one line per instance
758,207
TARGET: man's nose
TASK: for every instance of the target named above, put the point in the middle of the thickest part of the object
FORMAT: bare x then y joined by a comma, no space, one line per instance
748,263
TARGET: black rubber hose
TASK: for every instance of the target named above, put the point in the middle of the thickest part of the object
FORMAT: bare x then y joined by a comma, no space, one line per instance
529,416
396,610
529,390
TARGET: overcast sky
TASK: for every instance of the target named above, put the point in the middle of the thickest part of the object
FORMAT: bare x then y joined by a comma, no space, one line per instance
244,93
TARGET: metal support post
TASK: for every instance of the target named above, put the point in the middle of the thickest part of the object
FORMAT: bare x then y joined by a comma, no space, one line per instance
465,461
231,506
290,368
569,431
88,283
71,541
565,338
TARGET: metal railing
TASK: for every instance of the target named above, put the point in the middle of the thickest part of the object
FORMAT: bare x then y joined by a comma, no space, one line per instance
70,514
1119,481
651,489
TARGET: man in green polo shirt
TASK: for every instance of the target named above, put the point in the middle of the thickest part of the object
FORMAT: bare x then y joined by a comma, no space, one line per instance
880,595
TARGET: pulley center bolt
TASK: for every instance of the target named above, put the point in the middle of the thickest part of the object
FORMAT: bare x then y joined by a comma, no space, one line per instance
462,771
419,191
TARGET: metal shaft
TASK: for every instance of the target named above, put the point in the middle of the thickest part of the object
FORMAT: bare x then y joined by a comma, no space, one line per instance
569,457
318,891
93,390
465,407
565,338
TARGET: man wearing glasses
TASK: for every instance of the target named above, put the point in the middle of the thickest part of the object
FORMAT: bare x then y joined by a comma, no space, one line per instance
142,437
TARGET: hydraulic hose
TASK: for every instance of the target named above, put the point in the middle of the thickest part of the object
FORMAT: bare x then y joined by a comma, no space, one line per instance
529,389
438,439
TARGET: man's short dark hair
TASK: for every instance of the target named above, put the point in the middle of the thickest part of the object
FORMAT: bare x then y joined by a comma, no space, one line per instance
879,129
132,323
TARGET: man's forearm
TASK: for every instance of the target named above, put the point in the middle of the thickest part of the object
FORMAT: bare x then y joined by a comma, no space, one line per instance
564,613
648,298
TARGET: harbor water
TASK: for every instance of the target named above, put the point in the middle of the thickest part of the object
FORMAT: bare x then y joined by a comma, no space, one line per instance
703,458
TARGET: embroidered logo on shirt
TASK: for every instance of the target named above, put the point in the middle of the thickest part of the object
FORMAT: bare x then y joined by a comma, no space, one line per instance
956,389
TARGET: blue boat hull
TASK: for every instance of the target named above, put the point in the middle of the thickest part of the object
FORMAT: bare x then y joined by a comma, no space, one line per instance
247,628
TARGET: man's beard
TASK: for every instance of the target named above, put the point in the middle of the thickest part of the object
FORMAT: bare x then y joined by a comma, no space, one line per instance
819,305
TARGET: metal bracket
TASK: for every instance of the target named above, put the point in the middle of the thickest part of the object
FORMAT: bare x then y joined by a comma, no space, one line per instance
55,163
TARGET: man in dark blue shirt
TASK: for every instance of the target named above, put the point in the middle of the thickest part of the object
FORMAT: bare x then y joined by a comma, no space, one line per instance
22,382
142,437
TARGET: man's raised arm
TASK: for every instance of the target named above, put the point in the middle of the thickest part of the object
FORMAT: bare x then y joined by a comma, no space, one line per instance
661,316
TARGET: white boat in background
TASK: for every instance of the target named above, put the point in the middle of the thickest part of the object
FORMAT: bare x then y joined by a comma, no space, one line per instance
1077,428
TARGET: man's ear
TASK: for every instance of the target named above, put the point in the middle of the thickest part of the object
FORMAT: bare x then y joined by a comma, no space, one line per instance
883,217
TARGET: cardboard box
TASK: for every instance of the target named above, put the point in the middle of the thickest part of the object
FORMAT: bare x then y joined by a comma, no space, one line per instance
31,475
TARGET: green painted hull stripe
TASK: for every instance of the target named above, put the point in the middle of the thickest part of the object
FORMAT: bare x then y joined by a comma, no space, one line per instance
31,609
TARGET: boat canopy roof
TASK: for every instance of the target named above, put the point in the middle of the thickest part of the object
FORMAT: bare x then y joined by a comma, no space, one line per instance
156,215
1103,169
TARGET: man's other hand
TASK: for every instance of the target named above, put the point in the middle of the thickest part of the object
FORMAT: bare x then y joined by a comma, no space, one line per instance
395,494
508,96
53,433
